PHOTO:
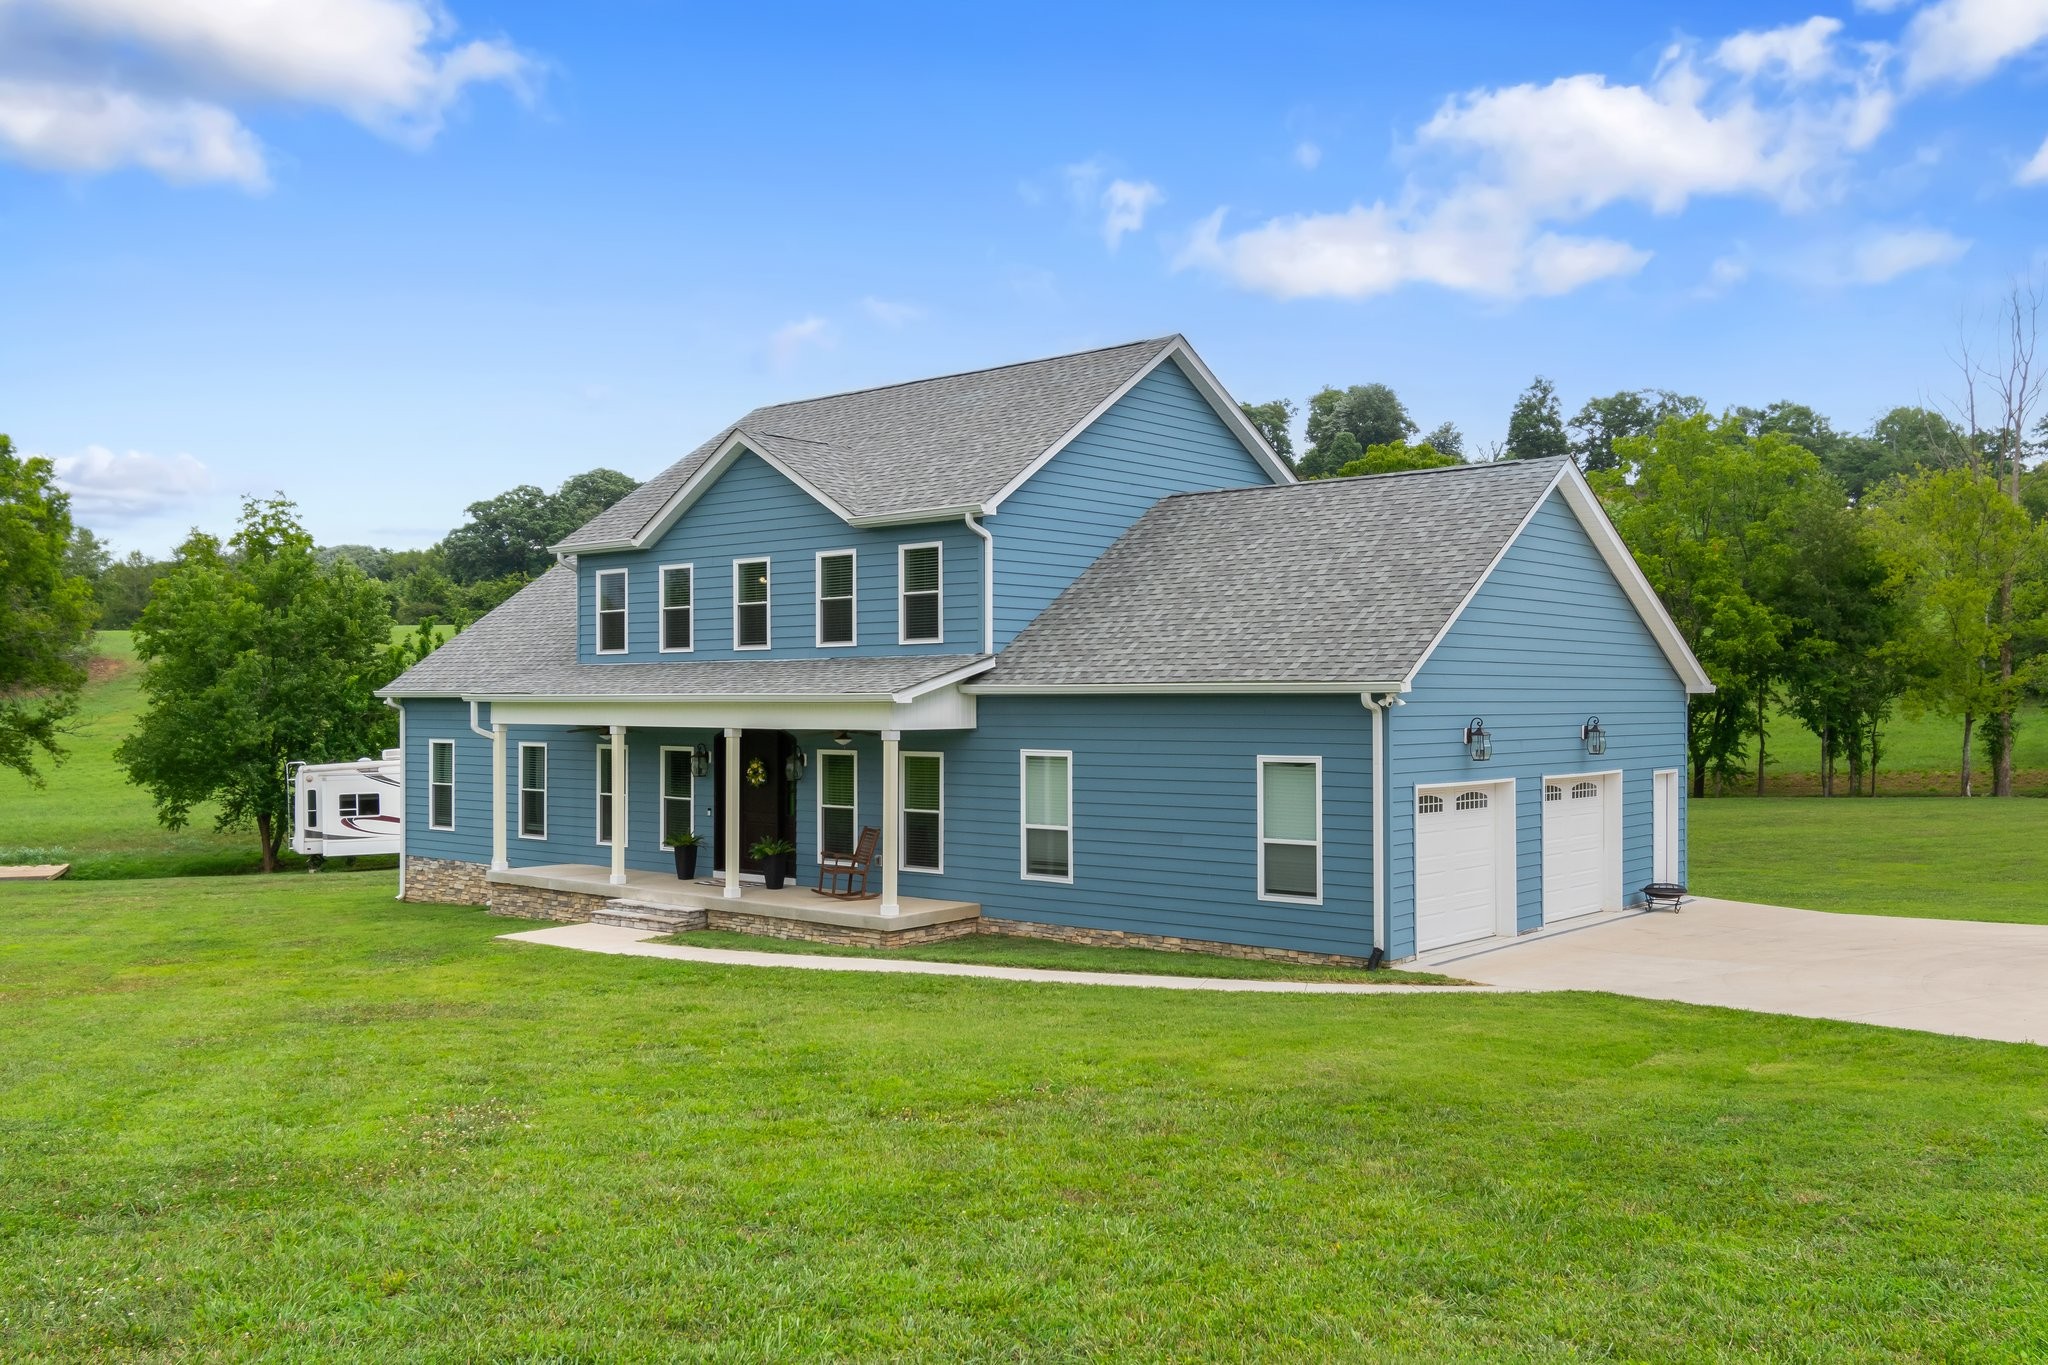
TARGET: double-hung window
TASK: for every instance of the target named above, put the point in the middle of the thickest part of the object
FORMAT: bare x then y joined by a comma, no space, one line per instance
750,604
441,784
611,611
605,804
1048,795
1290,829
835,597
533,791
924,819
676,598
917,608
677,794
838,804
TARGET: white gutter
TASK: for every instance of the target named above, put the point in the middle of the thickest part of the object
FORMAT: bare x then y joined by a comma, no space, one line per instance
478,729
988,583
1379,829
1340,688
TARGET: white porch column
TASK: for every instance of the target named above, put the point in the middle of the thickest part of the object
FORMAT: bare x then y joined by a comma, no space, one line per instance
892,817
729,804
618,877
498,863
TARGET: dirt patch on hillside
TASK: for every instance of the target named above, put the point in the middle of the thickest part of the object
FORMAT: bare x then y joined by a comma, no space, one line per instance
100,668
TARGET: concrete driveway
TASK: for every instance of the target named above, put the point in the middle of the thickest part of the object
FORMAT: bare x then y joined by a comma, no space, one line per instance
1946,976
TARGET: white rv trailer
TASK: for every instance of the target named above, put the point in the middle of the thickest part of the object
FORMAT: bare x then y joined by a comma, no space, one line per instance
343,809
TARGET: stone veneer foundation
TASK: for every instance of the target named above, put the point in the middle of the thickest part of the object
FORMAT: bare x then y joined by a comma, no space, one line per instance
1117,938
774,926
444,881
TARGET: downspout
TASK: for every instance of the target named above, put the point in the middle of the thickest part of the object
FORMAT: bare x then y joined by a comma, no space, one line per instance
988,583
1379,829
403,824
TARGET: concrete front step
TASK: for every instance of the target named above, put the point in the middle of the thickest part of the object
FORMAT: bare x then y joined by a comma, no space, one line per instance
649,917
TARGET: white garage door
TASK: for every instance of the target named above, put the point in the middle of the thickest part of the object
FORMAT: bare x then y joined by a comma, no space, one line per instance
1457,865
1574,846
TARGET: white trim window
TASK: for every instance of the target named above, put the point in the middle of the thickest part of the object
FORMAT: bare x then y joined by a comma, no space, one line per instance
1046,783
835,574
533,791
920,584
440,784
750,604
923,818
606,806
611,611
678,597
678,793
1291,829
838,800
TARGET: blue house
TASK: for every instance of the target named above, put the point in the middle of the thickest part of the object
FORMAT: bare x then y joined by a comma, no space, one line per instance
1072,639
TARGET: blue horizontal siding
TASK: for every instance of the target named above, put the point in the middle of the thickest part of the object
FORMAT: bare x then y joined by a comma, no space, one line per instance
1160,438
1549,640
752,512
426,720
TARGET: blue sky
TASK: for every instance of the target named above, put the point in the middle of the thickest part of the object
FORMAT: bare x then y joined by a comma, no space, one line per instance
390,258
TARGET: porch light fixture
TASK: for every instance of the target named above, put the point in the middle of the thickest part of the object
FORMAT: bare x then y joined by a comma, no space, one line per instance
700,761
793,767
842,739
1594,736
1478,743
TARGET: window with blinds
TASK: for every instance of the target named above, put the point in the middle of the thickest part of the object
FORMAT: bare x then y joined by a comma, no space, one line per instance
677,793
835,598
533,791
838,800
677,590
1048,782
750,604
604,793
1291,829
924,820
611,611
441,784
918,572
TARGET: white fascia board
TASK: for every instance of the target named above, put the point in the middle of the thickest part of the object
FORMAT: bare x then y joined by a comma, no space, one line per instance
1578,496
922,514
1261,689
916,690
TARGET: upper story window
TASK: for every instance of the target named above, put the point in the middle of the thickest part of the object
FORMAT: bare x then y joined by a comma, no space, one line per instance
917,614
611,611
835,597
677,596
750,604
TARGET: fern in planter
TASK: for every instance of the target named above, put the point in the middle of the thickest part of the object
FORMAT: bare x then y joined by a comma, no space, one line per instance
776,857
684,842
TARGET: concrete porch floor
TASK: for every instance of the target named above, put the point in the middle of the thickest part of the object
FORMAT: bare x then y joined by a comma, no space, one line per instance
792,902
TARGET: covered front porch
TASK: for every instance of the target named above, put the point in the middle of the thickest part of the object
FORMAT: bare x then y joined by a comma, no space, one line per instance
799,908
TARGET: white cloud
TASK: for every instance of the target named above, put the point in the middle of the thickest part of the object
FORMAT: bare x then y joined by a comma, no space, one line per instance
94,129
1307,155
1881,6
1124,206
1965,40
1885,256
2035,172
96,84
1723,275
889,312
1796,52
115,487
791,339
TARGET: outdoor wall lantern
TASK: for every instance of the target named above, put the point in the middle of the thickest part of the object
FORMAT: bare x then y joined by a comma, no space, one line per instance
700,761
1595,737
793,767
1477,742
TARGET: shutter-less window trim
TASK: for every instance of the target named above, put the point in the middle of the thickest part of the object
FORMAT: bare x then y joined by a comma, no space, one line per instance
1046,796
836,578
1290,828
924,813
678,592
750,596
611,611
920,574
441,784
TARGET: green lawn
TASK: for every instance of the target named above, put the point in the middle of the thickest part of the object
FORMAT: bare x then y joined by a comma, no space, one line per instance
91,817
290,1117
1939,858
1921,756
997,951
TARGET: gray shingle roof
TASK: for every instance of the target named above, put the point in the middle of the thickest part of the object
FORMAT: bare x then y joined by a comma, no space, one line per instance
527,648
1341,580
954,441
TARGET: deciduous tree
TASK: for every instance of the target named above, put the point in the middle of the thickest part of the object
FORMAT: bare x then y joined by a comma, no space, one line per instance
1274,421
46,613
1396,456
1536,425
1371,413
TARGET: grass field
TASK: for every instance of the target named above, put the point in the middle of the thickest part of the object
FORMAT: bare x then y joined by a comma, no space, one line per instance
1937,858
1921,756
290,1117
996,951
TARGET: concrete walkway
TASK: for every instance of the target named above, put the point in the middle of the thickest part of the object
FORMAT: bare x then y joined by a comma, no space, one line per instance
603,938
1961,977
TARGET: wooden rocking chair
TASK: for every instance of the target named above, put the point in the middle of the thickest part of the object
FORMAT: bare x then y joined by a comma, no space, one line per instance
832,866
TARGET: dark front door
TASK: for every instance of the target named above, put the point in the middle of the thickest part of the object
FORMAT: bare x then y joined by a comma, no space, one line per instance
765,811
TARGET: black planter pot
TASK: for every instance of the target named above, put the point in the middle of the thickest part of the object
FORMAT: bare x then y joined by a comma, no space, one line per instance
774,871
686,862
